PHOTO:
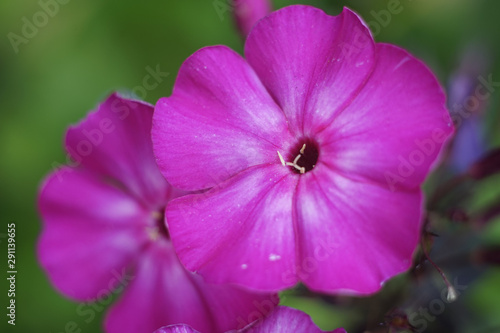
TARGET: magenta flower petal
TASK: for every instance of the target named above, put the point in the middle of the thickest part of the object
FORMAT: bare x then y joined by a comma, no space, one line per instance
73,207
353,245
281,320
115,142
166,293
176,329
232,307
285,320
313,64
248,12
394,130
252,221
232,123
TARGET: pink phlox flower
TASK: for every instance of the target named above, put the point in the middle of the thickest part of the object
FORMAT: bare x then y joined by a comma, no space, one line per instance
313,147
104,233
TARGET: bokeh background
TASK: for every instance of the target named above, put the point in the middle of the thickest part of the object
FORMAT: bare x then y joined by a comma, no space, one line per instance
90,48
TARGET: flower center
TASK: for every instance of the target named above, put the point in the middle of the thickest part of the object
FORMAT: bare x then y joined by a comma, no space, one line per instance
305,155
159,230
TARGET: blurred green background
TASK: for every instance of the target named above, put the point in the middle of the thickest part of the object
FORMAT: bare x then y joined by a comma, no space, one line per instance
90,48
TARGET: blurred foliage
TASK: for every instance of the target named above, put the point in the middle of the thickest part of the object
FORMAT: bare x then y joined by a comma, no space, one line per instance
89,48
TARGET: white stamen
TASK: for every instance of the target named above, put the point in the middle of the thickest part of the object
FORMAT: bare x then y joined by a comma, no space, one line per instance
294,163
281,159
301,169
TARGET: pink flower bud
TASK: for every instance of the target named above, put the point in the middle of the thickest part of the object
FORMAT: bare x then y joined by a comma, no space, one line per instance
248,12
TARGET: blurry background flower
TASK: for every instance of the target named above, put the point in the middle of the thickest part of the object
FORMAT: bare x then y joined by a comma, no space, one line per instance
248,12
104,232
72,58
468,101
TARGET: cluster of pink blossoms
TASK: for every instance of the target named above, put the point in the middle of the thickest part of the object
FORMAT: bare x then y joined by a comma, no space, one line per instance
301,162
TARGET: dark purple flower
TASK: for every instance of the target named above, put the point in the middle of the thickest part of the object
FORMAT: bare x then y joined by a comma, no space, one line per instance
104,231
282,320
315,147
